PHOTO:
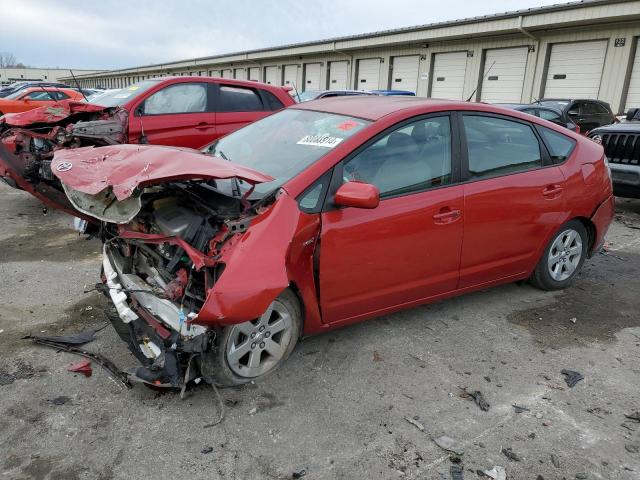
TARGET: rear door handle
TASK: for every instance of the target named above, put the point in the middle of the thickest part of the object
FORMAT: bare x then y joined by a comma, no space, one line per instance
204,126
447,215
552,191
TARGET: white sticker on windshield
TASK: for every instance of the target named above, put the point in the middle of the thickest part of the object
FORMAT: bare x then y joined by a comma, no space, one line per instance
122,95
326,141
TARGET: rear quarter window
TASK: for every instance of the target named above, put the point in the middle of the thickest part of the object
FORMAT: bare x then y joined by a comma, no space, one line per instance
560,146
239,99
271,101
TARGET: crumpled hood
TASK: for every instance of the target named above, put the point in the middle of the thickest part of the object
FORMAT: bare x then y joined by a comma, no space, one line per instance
50,114
101,181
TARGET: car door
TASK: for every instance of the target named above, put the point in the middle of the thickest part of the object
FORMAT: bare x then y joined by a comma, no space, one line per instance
237,106
408,247
178,115
513,198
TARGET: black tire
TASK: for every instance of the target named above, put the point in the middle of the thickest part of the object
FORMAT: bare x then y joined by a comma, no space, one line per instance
542,275
214,365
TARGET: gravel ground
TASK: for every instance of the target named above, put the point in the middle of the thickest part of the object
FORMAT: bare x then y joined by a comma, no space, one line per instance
338,408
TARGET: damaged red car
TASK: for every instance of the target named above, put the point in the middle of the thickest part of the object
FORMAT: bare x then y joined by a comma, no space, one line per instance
177,111
326,214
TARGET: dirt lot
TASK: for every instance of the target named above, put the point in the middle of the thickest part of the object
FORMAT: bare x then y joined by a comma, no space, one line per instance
337,409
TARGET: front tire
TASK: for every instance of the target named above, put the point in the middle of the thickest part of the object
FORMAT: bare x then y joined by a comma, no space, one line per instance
562,258
253,349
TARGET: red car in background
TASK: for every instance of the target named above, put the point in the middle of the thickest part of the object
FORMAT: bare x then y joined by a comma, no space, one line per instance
176,111
36,97
329,213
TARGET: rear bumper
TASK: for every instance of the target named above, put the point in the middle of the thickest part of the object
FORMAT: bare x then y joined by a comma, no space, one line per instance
601,219
622,174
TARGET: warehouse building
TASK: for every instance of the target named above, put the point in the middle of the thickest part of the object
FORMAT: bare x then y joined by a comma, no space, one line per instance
11,75
586,49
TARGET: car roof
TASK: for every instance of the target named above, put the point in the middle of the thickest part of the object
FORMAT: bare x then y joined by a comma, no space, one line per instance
46,88
374,107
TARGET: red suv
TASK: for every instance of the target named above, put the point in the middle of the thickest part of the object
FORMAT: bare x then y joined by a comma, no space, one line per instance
175,111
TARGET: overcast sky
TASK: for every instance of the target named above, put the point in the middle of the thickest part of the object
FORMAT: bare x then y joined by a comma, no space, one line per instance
117,33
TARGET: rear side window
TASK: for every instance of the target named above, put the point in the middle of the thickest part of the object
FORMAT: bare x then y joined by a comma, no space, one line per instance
239,99
549,115
500,147
560,146
179,98
271,101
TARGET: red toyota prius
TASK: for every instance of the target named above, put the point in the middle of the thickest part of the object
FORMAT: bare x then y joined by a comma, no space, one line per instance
329,213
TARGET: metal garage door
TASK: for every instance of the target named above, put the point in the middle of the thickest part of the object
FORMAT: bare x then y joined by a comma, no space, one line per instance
290,75
271,75
227,73
311,76
368,74
503,76
448,75
633,95
240,74
214,73
575,69
254,74
338,75
404,75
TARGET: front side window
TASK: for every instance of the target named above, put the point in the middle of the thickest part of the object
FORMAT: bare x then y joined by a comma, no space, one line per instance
178,98
414,157
550,115
284,144
500,147
239,99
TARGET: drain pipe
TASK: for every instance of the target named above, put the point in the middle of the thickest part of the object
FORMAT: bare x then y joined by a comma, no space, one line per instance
350,57
525,32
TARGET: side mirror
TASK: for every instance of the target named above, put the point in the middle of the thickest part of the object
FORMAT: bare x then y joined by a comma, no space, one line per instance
573,113
632,114
357,195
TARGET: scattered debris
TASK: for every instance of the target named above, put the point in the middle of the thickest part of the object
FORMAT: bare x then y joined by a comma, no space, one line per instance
572,377
220,408
61,400
555,460
96,357
456,472
547,423
78,339
581,476
415,423
477,397
532,435
519,409
299,474
376,356
83,367
573,320
449,444
635,416
511,455
22,370
487,378
207,449
631,448
253,411
497,473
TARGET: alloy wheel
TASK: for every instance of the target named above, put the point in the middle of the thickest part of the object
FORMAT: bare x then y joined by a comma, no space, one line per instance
255,347
565,255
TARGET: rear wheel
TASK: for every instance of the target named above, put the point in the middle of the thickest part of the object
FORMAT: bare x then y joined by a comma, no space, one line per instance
563,257
251,350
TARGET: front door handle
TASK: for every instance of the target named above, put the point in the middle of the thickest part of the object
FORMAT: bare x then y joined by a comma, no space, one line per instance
204,126
446,215
552,191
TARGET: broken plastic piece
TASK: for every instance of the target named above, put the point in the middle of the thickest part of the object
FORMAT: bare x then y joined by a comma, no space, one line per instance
477,397
78,339
572,377
415,423
456,472
83,367
497,473
511,455
449,444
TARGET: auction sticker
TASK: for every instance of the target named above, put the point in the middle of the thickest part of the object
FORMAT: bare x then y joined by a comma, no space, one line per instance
326,141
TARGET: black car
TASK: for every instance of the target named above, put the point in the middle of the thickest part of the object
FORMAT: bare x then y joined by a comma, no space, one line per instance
587,114
621,144
552,114
317,94
16,87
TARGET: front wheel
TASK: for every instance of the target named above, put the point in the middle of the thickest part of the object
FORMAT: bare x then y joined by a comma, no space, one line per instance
250,350
563,257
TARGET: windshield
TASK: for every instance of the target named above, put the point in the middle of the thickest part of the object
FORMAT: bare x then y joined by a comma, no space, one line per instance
284,144
119,97
15,95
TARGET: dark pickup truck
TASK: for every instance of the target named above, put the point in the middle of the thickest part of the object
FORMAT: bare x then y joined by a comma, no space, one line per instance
621,143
